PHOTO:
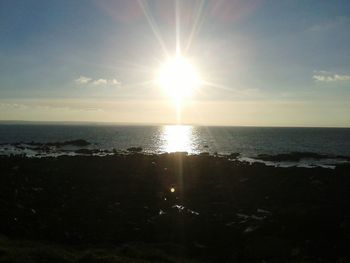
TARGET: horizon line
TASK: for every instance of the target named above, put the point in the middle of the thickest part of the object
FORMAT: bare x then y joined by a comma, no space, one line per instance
101,123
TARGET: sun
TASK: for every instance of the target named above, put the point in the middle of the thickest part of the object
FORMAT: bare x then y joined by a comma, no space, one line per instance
178,78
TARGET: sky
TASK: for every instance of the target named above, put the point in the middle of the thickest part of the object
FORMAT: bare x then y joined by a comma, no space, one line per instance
262,62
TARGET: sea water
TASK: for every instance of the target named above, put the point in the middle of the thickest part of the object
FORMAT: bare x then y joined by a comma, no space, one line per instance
249,141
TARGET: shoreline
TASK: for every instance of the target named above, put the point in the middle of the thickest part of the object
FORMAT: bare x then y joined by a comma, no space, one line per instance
81,147
220,209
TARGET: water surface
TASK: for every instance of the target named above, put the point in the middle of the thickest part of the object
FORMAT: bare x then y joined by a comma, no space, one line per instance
249,141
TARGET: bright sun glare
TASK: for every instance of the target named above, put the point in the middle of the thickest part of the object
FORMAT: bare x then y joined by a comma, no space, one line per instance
178,78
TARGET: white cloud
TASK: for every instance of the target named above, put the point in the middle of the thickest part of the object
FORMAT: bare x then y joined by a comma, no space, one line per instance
98,82
83,80
325,76
321,72
342,77
115,82
13,105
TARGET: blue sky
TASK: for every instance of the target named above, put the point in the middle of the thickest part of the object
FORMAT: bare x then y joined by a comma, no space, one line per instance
278,63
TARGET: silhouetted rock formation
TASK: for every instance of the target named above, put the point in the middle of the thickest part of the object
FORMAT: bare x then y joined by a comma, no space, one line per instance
135,149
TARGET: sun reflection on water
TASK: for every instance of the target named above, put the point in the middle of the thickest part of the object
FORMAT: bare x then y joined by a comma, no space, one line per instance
178,138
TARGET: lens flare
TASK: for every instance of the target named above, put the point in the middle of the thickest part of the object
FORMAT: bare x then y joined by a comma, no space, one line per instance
178,78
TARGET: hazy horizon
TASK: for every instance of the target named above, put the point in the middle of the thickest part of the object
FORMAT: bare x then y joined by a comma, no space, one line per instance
145,124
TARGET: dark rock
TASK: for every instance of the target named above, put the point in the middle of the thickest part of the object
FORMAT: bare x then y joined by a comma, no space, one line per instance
293,156
220,204
268,248
85,151
135,149
234,155
79,142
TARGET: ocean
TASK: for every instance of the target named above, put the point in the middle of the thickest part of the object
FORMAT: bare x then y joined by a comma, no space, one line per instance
248,141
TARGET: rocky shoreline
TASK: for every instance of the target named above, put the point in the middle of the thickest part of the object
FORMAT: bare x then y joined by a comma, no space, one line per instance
81,147
210,208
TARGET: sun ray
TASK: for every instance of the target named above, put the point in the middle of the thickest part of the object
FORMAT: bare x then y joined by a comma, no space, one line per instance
196,25
144,6
177,28
178,104
119,65
219,86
